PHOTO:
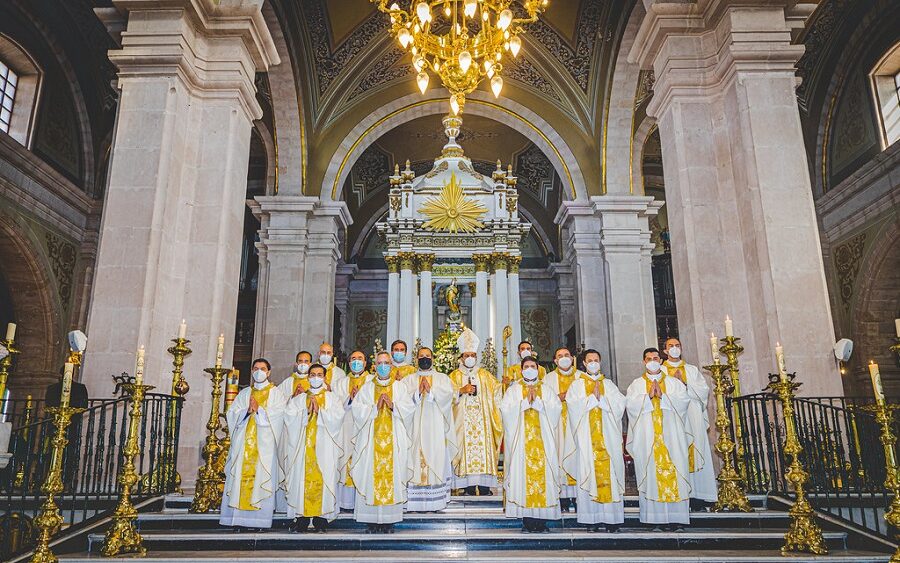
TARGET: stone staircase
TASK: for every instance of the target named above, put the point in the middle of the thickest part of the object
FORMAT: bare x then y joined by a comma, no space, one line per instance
475,529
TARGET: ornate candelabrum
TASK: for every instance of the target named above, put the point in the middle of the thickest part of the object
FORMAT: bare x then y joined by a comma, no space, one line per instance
732,349
49,520
122,536
231,392
884,416
6,364
507,332
731,492
804,535
210,481
19,480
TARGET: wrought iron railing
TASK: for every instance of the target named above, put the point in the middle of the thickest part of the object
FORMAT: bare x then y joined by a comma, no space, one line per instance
841,452
21,412
90,465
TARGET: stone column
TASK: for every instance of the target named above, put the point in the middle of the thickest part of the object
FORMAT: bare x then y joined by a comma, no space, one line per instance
515,309
426,305
406,329
744,233
500,262
170,235
393,303
482,313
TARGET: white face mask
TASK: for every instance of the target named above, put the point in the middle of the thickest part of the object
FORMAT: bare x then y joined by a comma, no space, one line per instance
653,366
325,359
316,382
302,369
593,368
469,362
530,375
564,363
675,352
259,376
525,354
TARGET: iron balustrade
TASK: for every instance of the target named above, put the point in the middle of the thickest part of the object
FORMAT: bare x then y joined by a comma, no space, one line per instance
90,466
841,452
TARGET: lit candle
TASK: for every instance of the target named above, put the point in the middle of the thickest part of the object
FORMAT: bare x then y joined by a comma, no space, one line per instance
714,346
182,329
66,385
11,332
729,326
876,382
139,367
779,359
220,350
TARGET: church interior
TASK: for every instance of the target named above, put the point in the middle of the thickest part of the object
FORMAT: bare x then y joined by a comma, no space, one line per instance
187,186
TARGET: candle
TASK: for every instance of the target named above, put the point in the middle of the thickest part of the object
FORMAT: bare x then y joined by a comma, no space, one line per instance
220,350
714,346
139,367
729,326
897,327
182,329
876,382
231,387
66,385
779,359
11,332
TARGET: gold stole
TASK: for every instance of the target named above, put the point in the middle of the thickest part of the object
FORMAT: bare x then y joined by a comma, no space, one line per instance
565,381
302,383
383,452
602,472
355,384
666,477
251,451
313,482
679,373
535,457
328,371
475,438
423,466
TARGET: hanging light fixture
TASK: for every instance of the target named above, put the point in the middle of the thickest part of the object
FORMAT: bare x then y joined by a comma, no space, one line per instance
460,41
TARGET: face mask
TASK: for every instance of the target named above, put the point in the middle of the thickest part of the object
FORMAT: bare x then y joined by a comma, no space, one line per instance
398,356
356,366
593,367
316,381
653,366
302,369
530,375
675,352
425,363
565,362
383,370
469,362
324,359
525,354
259,376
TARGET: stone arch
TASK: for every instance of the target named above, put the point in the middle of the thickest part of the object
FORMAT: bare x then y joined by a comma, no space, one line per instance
407,108
270,149
641,134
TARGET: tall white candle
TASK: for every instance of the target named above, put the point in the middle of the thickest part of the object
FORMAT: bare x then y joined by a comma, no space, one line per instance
220,350
876,382
66,393
714,345
139,367
729,326
10,332
182,329
779,359
897,327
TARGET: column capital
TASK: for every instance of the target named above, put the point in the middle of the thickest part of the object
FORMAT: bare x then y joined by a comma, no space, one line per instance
393,264
473,289
482,262
425,261
499,260
514,262
407,260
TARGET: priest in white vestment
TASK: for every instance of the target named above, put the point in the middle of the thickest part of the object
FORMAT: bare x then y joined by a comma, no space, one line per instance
559,380
252,469
297,382
476,417
531,414
382,410
514,372
333,373
346,389
696,422
594,452
657,440
313,449
401,367
432,436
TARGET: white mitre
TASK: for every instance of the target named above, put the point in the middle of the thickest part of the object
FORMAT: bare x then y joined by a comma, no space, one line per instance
467,341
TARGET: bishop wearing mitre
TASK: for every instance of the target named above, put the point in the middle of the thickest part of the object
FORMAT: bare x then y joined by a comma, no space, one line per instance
313,448
252,469
477,422
696,423
531,413
346,389
594,454
382,410
656,406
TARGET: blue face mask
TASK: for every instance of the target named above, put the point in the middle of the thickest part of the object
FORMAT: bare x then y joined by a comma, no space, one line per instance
356,366
384,370
399,356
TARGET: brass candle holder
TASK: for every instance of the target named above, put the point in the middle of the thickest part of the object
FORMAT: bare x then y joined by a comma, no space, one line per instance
225,440
6,364
122,536
19,480
49,520
732,349
804,534
731,495
210,481
884,416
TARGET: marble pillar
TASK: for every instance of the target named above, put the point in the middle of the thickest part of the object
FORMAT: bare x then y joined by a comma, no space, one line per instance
482,313
515,308
744,233
426,302
393,302
407,323
171,229
500,263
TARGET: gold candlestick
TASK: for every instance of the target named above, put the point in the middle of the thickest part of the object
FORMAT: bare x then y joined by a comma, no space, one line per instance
49,520
804,534
507,332
210,481
122,537
19,480
884,416
731,496
6,364
732,349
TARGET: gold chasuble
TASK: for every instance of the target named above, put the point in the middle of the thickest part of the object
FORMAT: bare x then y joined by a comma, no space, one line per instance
535,458
478,424
251,451
302,383
312,496
678,373
383,452
666,477
399,372
598,444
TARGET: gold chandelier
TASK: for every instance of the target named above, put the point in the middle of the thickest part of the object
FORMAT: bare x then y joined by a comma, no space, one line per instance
461,41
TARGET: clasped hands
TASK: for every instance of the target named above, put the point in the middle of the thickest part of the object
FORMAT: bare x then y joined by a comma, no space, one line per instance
424,386
655,391
384,401
467,389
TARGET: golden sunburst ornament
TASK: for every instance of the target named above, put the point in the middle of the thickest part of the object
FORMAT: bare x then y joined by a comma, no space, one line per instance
452,211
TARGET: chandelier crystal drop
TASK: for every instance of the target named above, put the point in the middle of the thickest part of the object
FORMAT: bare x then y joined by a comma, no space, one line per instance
462,42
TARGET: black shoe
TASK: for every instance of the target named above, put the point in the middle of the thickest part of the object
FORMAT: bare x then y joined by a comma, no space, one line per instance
595,529
613,528
388,528
484,491
301,525
564,504
371,528
320,524
674,528
471,491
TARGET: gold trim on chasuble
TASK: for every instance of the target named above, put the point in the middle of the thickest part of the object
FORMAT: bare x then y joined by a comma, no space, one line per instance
565,381
301,382
535,458
423,465
602,471
383,452
251,451
356,383
679,373
476,443
666,477
312,474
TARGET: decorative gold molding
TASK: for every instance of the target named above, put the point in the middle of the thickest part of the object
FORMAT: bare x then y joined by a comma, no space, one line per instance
499,261
393,263
514,262
453,270
407,260
482,262
452,211
472,288
425,261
